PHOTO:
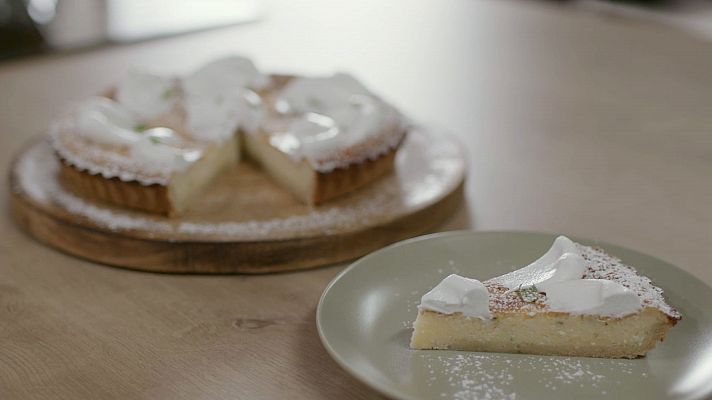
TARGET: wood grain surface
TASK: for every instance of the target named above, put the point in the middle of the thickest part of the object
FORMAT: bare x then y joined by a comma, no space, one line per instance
574,123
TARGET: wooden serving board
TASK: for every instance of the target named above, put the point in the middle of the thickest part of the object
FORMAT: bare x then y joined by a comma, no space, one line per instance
244,223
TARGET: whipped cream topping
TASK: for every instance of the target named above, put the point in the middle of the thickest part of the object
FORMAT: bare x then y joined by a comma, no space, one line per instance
592,296
219,98
107,122
147,95
319,94
562,262
558,274
229,72
456,294
329,114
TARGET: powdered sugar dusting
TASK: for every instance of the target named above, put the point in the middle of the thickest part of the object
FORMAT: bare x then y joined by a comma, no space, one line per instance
498,376
406,191
606,266
600,265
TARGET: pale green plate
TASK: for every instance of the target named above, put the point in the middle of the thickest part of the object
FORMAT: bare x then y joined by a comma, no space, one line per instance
365,316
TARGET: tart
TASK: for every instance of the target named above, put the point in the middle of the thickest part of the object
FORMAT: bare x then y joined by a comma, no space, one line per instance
157,142
574,301
154,143
325,136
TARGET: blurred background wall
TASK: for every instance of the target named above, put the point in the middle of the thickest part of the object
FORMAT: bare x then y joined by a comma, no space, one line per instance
37,26
40,26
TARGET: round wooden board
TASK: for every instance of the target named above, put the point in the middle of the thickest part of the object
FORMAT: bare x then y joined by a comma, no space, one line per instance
244,223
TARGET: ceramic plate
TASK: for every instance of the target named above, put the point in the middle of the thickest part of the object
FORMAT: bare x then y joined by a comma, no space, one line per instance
366,313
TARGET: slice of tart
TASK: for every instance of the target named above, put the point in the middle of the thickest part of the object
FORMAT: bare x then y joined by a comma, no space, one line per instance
324,137
156,142
575,301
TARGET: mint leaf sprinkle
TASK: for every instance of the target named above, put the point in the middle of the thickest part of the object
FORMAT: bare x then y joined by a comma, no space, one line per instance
314,102
168,94
528,294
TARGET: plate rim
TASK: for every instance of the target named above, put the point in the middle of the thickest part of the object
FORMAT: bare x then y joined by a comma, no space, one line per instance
379,387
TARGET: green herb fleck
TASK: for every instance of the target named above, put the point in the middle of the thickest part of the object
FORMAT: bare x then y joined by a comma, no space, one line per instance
140,127
528,294
170,92
314,102
155,140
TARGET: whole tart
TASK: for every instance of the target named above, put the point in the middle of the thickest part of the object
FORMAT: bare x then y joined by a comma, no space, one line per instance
155,143
575,301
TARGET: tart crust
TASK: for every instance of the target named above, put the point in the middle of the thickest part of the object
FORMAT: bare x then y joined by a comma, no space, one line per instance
172,199
152,198
344,180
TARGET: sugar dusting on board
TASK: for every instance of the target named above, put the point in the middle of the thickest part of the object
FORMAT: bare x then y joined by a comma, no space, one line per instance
426,169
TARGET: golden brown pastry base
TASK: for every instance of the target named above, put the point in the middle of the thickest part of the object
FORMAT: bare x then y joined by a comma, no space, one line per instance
131,194
544,333
344,180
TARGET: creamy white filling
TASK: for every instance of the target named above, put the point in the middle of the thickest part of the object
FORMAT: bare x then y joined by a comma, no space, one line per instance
330,113
147,95
558,274
456,294
219,99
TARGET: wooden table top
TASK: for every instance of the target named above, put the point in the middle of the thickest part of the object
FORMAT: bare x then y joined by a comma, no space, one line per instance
574,123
